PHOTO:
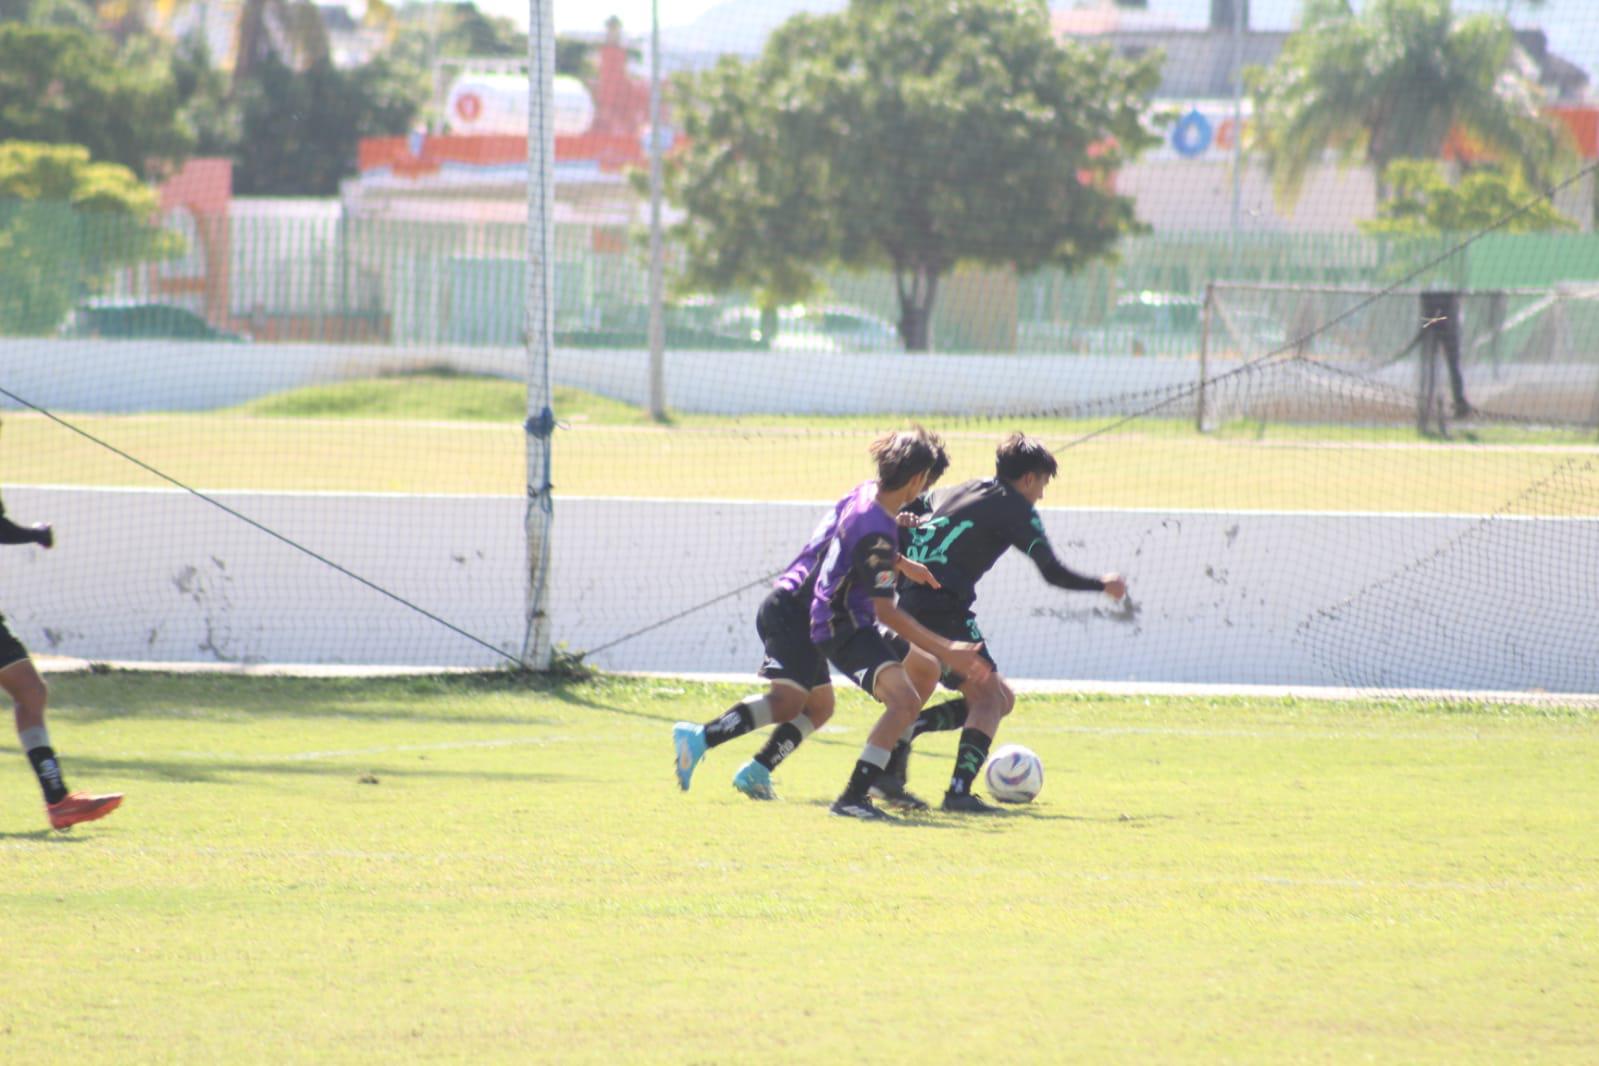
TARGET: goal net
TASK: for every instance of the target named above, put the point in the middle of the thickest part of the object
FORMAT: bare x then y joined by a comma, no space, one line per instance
1434,356
297,429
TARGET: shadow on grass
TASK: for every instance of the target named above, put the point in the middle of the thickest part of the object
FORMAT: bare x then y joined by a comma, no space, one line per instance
44,835
219,771
929,819
1046,815
105,695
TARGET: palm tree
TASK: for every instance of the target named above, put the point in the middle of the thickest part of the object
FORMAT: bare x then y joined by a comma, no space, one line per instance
1391,83
290,30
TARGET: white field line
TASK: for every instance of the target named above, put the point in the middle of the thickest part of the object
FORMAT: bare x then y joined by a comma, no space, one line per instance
58,664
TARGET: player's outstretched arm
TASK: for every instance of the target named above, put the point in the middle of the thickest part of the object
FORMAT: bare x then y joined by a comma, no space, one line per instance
1059,574
959,656
11,533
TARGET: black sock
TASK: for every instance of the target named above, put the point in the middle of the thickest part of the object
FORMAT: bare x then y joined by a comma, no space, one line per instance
861,781
49,773
899,762
951,714
734,722
969,759
780,745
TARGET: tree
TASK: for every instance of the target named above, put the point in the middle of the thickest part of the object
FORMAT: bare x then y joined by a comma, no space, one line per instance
205,97
64,223
1392,83
287,31
300,129
908,133
1422,203
61,14
64,86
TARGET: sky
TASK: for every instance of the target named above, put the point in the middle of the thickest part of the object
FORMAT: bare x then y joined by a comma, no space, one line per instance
1572,25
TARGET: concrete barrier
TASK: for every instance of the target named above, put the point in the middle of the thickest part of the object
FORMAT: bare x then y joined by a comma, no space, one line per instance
1306,599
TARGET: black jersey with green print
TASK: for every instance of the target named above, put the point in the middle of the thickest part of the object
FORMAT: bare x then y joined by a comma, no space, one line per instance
964,531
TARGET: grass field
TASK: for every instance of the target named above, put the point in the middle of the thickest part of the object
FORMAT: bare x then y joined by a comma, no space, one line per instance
474,870
441,434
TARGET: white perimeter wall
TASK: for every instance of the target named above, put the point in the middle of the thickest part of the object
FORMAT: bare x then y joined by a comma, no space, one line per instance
1219,598
117,376
158,575
125,376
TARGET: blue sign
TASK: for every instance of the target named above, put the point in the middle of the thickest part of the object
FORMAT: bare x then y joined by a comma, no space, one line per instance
1192,135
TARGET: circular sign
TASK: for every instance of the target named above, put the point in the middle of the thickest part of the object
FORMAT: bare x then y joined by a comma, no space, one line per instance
1191,136
468,106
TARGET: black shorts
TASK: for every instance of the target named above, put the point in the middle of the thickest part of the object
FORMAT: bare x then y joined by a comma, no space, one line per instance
951,625
784,623
11,649
862,655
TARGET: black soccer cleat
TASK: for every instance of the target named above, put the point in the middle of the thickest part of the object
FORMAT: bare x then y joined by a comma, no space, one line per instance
863,809
968,803
892,791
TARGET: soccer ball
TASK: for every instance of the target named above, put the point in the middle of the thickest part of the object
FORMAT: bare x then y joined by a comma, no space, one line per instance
1014,774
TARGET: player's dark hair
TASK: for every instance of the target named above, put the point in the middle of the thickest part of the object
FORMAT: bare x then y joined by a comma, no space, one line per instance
1019,455
903,454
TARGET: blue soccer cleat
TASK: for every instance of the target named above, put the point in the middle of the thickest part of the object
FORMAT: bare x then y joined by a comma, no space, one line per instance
689,741
755,781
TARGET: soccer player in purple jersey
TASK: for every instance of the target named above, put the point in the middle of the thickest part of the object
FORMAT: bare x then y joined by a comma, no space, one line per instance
22,683
854,593
799,695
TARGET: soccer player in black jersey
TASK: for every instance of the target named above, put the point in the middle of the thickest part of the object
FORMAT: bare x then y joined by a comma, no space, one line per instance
962,532
26,688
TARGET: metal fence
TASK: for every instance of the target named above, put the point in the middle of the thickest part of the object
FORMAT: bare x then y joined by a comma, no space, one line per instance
309,271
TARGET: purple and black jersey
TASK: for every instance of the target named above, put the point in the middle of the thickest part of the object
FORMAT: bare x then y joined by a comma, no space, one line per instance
858,567
800,575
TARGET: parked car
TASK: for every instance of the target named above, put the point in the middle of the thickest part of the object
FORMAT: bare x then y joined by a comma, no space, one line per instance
814,328
142,320
1149,323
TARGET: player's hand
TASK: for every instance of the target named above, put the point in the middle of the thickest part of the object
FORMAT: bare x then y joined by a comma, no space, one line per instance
45,536
908,519
916,572
964,659
1115,586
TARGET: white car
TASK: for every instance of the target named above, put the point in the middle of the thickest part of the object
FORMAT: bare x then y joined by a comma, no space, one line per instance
814,328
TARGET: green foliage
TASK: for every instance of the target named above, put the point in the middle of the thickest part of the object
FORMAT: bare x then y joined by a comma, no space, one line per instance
1422,202
1391,83
300,129
62,14
428,32
206,97
67,86
915,134
64,223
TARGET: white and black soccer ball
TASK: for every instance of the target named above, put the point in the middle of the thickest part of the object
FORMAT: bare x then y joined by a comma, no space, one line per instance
1014,774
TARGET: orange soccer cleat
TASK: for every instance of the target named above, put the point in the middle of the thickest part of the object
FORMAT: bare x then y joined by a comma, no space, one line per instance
78,807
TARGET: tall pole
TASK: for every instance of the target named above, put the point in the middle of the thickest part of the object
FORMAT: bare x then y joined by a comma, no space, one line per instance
1238,129
657,245
539,325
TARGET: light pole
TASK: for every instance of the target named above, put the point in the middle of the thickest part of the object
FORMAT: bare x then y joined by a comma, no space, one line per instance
657,249
1239,6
